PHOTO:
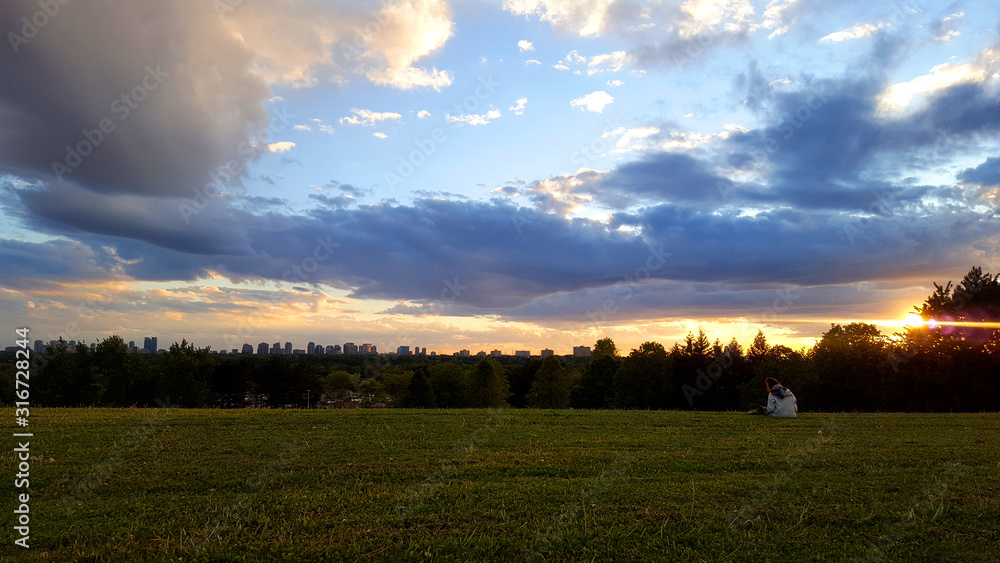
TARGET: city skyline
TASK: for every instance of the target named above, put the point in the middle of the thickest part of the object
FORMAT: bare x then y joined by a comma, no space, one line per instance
312,349
492,174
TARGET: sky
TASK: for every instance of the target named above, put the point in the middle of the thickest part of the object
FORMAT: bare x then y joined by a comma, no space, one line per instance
511,175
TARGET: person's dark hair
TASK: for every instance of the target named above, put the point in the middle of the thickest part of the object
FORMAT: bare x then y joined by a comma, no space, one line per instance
770,382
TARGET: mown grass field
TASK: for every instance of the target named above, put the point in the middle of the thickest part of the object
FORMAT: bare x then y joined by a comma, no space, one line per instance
507,485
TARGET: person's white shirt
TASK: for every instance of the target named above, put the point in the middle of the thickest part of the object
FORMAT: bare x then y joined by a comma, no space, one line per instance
785,407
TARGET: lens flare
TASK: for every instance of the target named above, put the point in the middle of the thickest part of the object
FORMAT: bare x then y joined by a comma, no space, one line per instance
912,320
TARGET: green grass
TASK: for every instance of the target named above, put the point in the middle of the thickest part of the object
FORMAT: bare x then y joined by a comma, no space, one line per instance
505,485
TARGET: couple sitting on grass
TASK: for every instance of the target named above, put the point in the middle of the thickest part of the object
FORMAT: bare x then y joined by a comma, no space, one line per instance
780,401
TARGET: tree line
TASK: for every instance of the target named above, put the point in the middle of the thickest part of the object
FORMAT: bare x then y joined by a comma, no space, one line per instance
950,362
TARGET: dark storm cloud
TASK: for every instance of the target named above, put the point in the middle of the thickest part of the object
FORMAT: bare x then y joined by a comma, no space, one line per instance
33,265
987,173
138,97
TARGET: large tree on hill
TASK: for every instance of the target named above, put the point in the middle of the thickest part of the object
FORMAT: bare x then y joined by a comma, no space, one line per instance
420,395
553,385
976,299
488,385
643,380
852,364
604,347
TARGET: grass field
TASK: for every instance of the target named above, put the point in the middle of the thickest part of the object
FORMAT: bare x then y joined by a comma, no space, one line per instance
507,485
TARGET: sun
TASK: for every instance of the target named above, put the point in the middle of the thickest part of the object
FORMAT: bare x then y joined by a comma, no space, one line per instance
912,320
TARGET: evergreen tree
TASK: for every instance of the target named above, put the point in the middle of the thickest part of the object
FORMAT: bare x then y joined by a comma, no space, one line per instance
420,395
553,385
488,386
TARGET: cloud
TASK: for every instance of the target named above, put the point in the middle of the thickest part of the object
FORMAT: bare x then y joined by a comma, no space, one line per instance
281,146
587,17
899,96
595,101
944,29
614,83
150,118
415,29
518,108
530,62
423,114
325,128
857,31
368,118
301,43
597,64
474,118
525,45
302,128
380,135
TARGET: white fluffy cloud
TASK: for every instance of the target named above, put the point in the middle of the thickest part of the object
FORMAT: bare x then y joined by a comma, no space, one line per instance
595,101
281,146
518,108
299,43
586,17
856,31
525,45
474,118
367,117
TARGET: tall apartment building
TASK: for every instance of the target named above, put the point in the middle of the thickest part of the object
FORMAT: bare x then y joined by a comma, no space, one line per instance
350,348
546,353
275,348
581,351
496,354
288,348
149,345
333,350
311,348
247,349
262,349
403,351
522,354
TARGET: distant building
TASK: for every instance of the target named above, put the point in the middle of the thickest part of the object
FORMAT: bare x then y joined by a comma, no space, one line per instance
311,348
288,348
275,349
131,345
40,347
333,350
522,354
463,353
262,349
234,351
546,353
481,354
149,344
247,349
496,354
403,351
350,348
319,350
581,351
298,352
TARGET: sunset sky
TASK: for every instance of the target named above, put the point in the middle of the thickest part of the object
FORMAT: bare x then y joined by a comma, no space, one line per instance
518,174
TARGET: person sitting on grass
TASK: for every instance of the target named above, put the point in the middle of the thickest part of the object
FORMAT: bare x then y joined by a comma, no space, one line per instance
780,401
